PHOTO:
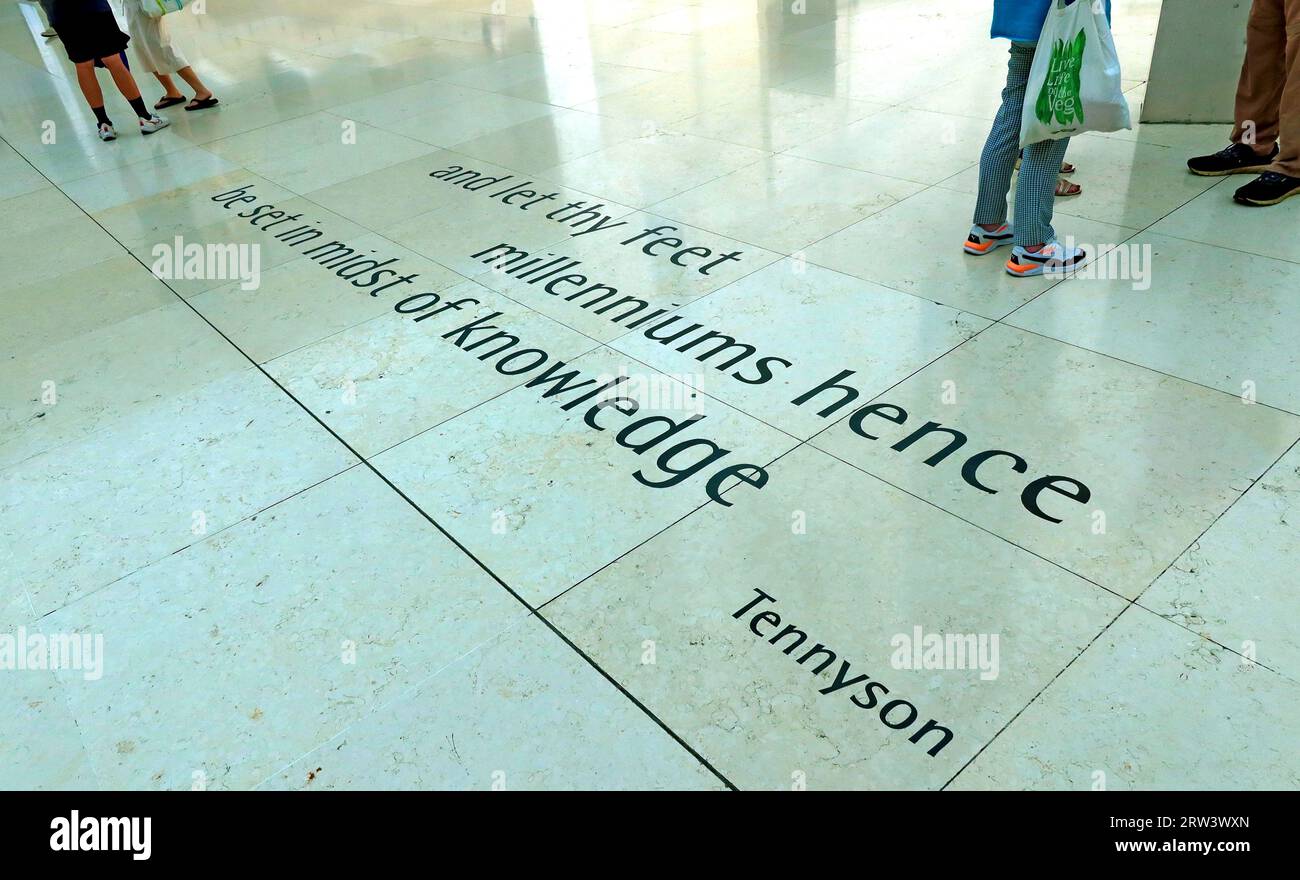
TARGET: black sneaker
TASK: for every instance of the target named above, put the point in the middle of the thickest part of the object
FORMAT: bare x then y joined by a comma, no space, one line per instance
1268,189
1236,159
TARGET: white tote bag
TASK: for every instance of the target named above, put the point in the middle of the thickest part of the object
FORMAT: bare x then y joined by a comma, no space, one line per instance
1074,84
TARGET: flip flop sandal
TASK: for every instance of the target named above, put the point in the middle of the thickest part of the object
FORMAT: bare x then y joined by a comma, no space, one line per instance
165,102
1065,188
196,104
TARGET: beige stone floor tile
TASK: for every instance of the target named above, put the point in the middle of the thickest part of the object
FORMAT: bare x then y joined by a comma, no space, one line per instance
520,713
1156,478
776,343
1164,291
776,120
228,660
302,301
386,380
790,202
86,513
52,310
1163,709
528,486
650,270
315,151
850,565
647,170
915,247
67,389
1235,585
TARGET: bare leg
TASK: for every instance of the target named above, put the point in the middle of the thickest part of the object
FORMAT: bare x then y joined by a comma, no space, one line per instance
201,91
168,85
121,77
89,83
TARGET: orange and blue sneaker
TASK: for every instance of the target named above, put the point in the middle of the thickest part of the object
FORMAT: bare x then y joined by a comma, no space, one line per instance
981,241
1052,258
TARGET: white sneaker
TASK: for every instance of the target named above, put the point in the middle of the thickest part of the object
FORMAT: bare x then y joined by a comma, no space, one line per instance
981,241
1052,259
153,123
106,132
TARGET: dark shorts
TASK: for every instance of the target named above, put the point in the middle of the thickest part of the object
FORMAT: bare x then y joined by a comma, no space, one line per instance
87,30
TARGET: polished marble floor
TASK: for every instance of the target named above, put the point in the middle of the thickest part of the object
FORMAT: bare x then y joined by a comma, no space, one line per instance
592,499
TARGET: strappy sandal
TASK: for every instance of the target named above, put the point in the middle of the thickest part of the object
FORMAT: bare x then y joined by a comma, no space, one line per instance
164,102
196,104
1065,188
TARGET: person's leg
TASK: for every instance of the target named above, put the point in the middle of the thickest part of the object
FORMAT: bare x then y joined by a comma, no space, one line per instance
168,84
122,77
89,84
998,159
1263,72
1288,160
201,92
1280,180
95,98
126,85
1036,192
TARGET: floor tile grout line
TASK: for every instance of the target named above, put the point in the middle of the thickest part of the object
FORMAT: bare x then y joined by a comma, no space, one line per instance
204,144
1138,231
1131,603
1062,566
1134,600
596,343
1128,602
1034,698
203,540
877,397
201,145
1224,247
582,580
1253,483
461,547
1278,671
466,411
808,442
1270,406
1004,320
408,692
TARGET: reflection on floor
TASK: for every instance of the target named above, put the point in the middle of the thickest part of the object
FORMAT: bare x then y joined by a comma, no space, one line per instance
475,398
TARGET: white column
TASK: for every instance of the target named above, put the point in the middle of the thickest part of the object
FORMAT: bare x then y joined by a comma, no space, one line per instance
1197,59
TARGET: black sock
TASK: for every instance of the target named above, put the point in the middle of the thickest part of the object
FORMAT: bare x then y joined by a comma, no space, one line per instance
101,116
137,104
